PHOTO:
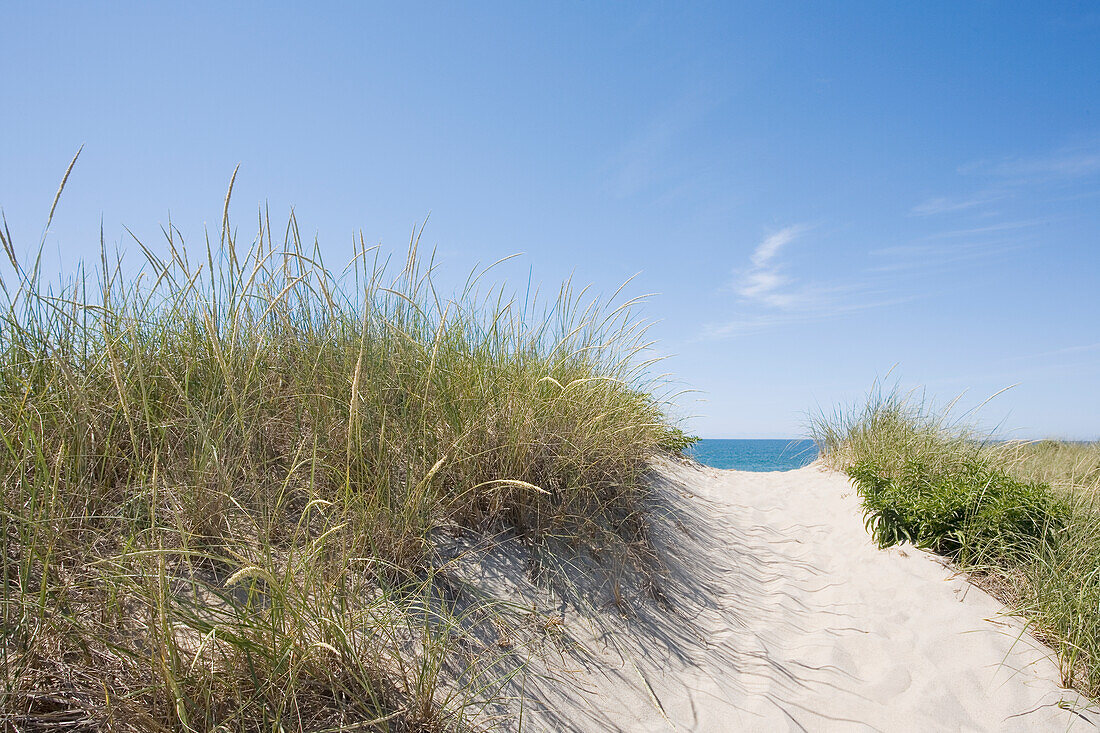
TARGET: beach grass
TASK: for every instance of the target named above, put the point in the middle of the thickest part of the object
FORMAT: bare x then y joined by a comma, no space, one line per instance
222,474
1022,517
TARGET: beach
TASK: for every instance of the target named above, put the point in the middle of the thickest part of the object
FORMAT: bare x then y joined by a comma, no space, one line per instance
469,367
774,611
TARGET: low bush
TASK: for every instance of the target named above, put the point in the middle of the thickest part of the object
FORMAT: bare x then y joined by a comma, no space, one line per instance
975,513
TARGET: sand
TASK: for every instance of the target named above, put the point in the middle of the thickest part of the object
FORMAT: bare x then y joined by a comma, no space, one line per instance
775,612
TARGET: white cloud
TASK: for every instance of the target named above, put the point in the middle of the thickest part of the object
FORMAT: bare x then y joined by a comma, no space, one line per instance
933,258
771,245
763,280
945,205
769,298
812,310
757,284
1004,226
1069,162
1016,176
1068,350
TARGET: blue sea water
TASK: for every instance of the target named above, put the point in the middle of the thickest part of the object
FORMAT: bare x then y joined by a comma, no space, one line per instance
754,455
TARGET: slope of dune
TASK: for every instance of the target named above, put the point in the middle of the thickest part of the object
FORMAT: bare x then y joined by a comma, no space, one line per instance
771,611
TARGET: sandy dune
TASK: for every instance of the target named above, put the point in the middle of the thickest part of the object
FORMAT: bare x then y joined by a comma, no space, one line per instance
777,613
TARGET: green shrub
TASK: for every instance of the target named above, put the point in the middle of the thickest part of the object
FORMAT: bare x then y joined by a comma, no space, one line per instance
972,511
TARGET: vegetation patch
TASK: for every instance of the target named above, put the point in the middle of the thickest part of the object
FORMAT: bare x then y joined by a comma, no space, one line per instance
220,478
1023,518
973,508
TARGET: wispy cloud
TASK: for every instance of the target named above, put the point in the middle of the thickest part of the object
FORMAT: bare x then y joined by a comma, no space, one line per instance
647,161
769,297
1004,226
1066,351
745,324
1068,162
764,281
940,250
755,322
946,205
929,258
766,251
1018,179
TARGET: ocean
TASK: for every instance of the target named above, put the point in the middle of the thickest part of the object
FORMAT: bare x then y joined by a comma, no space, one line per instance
754,455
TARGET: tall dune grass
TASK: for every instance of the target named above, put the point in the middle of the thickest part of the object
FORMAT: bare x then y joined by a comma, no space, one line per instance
1070,466
221,479
1023,518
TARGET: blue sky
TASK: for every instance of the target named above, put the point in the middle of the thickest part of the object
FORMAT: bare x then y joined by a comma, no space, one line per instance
816,192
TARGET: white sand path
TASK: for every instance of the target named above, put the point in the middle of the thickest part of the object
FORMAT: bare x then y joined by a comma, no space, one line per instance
780,614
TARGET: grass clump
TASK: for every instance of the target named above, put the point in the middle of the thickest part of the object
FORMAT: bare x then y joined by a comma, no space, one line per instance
220,480
975,510
1022,518
1069,466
